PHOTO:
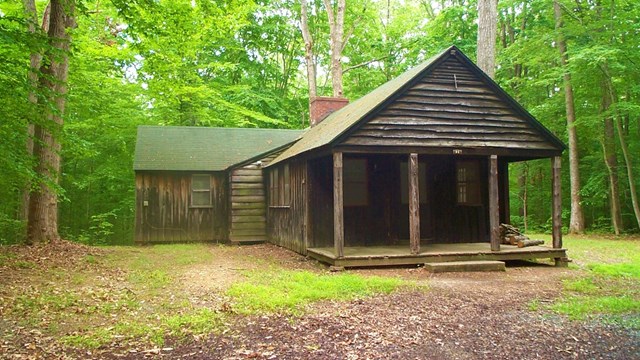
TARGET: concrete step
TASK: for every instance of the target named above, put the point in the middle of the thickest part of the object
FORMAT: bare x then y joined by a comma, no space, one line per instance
467,266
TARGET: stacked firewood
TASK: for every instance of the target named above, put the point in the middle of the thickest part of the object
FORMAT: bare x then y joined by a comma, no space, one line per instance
511,235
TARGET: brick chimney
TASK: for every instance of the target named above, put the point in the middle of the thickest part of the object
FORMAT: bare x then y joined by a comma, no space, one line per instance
323,106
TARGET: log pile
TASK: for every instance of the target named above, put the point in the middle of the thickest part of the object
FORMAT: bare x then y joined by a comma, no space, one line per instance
511,235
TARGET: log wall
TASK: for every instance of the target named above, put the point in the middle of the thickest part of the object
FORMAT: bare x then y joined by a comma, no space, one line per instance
168,215
248,205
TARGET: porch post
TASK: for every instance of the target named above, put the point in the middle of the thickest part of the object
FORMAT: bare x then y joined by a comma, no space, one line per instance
414,204
338,209
557,205
494,205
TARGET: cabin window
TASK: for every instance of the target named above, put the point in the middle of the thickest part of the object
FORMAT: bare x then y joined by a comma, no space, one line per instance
468,182
404,182
201,190
279,186
355,182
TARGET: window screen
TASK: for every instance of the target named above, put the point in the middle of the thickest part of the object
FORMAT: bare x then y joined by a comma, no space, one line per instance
201,190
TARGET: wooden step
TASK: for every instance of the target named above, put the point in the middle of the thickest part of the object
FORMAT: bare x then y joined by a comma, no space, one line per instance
467,266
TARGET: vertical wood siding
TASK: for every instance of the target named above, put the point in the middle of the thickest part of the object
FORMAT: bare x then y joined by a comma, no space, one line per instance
169,216
286,225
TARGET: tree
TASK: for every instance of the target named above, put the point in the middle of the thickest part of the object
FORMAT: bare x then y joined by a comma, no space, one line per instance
308,51
487,30
43,203
338,41
576,223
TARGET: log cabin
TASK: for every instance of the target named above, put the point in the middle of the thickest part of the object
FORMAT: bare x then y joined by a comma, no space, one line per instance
414,172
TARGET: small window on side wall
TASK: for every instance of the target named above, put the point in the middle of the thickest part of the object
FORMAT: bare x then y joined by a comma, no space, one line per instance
468,182
279,187
201,190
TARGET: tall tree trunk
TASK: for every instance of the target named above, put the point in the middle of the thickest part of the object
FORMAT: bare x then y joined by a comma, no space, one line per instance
43,202
336,26
31,13
576,223
523,183
623,146
487,31
611,160
308,52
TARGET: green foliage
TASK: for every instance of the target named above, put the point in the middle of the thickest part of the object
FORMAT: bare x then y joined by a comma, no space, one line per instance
286,290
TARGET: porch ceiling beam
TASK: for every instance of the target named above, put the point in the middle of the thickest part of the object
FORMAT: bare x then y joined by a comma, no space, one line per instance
338,206
494,203
414,204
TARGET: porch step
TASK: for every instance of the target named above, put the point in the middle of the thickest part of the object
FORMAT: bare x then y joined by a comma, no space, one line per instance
466,266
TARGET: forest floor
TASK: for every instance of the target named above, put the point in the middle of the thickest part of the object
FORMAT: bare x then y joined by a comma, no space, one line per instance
71,301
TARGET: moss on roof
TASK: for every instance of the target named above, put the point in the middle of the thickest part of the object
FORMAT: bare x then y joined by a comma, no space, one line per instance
185,148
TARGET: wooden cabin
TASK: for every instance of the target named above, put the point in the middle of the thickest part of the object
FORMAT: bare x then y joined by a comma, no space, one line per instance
414,172
203,184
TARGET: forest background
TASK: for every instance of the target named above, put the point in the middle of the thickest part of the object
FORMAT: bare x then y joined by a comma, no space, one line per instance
241,63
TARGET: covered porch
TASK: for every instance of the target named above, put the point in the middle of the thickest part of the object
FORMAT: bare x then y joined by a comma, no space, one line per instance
396,255
380,209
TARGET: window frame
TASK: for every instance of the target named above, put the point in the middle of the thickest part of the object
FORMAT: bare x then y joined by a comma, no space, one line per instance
280,187
470,185
351,183
200,191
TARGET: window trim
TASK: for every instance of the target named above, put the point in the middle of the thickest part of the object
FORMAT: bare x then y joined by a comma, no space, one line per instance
363,183
280,187
470,181
193,190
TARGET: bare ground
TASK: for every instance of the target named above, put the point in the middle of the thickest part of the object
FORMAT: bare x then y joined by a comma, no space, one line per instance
461,316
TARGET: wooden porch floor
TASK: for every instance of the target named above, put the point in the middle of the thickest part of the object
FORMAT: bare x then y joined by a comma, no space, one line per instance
369,256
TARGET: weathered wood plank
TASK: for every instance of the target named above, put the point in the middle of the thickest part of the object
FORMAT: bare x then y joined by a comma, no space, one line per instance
369,141
494,201
404,110
247,172
426,134
461,109
454,101
249,199
451,94
414,204
242,212
440,123
556,185
245,232
247,186
247,192
239,226
435,86
246,179
439,129
247,205
247,219
338,208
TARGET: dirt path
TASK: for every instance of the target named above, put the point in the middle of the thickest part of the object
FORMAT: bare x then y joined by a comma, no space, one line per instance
461,316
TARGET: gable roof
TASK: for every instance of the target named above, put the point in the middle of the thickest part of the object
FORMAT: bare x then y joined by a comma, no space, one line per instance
332,129
190,148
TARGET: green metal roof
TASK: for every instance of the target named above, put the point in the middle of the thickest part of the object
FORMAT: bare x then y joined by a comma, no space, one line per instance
189,148
339,122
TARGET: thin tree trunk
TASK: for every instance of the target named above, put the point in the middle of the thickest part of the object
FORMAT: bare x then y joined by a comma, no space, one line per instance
336,26
487,31
308,52
576,223
43,202
611,160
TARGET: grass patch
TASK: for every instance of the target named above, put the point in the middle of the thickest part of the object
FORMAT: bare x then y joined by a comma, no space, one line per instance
287,290
608,287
